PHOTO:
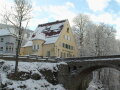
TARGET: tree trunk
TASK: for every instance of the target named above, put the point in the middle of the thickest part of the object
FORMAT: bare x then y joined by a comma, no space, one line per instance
18,48
17,55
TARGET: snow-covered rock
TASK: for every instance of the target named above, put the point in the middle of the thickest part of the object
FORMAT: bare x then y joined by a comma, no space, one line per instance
30,84
95,85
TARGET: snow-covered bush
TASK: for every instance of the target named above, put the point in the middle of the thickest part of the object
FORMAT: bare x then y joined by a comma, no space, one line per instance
30,78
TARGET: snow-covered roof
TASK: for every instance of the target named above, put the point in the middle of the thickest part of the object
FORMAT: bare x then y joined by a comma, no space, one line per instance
29,43
52,39
4,32
10,30
38,35
49,32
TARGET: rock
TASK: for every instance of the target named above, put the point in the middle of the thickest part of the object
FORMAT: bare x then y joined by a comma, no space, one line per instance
19,76
22,86
50,76
35,76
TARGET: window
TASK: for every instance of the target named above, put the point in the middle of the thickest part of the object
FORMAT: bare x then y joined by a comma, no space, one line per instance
68,30
2,39
9,48
68,38
34,47
65,37
37,46
48,53
12,49
63,45
66,46
47,28
1,48
6,48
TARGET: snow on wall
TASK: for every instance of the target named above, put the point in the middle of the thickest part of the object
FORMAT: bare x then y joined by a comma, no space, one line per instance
31,84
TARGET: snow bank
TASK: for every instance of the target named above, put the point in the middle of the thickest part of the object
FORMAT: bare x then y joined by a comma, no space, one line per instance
30,84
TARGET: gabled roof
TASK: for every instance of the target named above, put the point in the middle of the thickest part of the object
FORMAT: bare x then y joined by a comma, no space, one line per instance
49,32
5,32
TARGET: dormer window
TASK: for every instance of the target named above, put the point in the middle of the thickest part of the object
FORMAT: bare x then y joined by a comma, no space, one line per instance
68,30
48,28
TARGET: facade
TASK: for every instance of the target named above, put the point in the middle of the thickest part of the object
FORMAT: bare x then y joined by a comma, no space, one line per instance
54,39
8,41
7,44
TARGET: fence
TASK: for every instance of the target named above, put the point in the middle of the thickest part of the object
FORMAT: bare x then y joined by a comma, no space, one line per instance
29,58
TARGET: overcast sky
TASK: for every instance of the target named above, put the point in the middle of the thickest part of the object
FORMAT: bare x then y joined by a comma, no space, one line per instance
106,11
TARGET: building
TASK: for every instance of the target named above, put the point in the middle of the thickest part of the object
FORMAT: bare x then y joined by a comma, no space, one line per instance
8,41
54,39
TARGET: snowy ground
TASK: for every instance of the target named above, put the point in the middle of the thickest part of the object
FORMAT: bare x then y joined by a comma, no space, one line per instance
95,85
31,84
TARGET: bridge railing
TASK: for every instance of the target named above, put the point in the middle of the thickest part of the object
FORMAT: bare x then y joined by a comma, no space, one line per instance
27,58
40,58
91,58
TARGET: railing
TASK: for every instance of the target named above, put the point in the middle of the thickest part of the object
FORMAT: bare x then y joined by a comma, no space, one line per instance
54,59
28,58
90,58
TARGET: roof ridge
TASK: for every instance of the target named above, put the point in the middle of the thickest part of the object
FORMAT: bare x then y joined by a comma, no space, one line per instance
50,23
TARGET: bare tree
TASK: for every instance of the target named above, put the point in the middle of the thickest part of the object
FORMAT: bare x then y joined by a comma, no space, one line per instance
81,21
98,40
19,17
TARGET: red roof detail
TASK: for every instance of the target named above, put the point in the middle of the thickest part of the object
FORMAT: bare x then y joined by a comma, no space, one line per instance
51,23
33,35
51,33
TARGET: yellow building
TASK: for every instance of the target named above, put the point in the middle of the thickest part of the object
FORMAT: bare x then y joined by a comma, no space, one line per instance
54,39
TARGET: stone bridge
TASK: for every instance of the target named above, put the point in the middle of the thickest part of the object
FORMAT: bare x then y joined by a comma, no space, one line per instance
73,74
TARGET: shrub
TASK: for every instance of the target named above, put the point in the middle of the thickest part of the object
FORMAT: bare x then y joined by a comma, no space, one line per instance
19,76
50,76
35,76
